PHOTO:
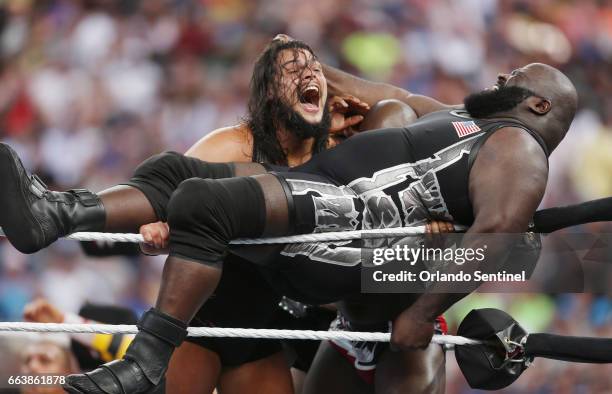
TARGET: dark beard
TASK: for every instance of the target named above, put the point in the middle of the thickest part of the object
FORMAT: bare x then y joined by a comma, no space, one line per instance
293,122
490,102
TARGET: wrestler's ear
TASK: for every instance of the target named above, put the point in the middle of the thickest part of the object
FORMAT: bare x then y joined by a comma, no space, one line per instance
538,105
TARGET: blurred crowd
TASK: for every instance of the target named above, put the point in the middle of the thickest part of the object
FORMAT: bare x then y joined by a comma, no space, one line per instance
90,88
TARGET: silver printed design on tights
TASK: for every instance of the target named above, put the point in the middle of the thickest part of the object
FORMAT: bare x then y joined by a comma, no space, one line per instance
334,206
421,199
335,210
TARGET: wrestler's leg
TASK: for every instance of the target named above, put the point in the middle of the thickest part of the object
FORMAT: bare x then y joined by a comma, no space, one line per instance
331,373
417,371
193,369
192,270
204,215
269,375
33,217
144,198
316,318
388,113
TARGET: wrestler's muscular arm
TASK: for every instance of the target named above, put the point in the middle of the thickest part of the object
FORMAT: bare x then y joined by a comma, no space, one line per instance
340,82
506,185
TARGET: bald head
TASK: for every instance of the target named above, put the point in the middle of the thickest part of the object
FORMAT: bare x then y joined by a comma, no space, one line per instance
538,95
552,84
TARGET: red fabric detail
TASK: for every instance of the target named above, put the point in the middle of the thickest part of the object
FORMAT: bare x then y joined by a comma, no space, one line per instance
442,325
367,376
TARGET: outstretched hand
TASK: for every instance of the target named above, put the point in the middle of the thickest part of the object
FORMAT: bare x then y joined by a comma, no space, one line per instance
346,113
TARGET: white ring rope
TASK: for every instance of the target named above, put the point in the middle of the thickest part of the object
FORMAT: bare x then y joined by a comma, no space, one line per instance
228,332
244,332
316,237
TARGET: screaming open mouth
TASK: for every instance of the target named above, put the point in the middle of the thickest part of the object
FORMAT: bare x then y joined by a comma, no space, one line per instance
310,98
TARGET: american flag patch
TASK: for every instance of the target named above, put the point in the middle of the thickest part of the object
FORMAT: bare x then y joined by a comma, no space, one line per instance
465,128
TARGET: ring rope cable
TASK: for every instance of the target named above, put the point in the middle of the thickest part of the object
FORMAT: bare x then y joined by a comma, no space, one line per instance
227,332
245,332
302,238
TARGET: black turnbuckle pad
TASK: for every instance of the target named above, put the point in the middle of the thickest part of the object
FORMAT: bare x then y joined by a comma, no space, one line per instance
163,326
507,349
502,360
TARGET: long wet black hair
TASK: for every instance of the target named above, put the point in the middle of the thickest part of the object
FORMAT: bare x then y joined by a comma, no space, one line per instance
265,104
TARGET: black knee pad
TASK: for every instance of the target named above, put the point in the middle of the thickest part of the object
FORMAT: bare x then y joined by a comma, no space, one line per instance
205,214
160,175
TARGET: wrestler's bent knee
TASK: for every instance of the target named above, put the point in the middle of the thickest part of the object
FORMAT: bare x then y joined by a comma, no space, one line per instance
160,175
205,214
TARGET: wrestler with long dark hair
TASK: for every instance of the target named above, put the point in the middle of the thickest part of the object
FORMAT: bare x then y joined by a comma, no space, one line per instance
208,204
287,122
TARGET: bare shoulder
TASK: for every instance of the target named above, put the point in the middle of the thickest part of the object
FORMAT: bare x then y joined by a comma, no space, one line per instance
514,144
508,180
227,144
511,164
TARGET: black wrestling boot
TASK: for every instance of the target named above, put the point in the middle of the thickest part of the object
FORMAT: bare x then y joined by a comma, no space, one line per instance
144,365
33,217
